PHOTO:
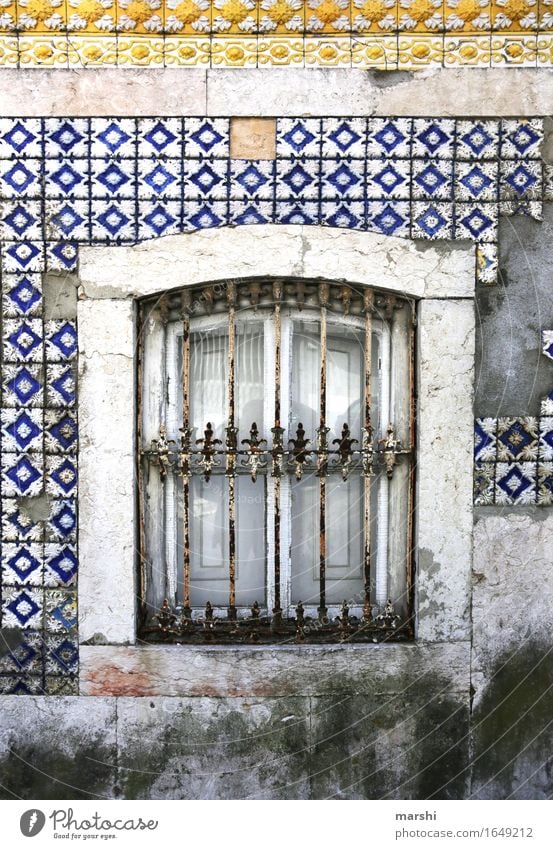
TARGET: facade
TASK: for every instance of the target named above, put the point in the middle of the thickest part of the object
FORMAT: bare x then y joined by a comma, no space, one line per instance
199,247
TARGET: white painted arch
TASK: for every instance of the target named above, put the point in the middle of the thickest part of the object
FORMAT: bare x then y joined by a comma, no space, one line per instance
440,276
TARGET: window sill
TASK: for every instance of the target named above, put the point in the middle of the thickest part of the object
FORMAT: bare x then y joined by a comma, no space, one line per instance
268,671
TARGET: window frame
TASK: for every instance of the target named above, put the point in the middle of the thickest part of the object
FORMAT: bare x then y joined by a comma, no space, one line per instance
110,277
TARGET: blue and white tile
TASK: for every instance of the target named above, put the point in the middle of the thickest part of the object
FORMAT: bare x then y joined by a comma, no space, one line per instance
432,220
206,138
17,525
22,564
521,180
202,215
60,385
343,181
344,137
432,180
476,181
298,137
61,525
298,179
252,179
67,178
476,221
487,264
22,385
477,140
22,474
521,138
485,435
111,179
484,483
61,475
61,655
160,179
251,212
547,343
61,685
388,179
159,218
20,219
66,137
22,429
61,431
62,256
433,138
530,208
297,212
546,438
113,138
22,340
22,607
20,138
546,405
547,182
206,180
67,219
113,221
515,483
20,179
348,214
23,256
60,565
61,340
392,218
389,138
26,657
517,438
21,685
545,484
160,138
60,610
21,295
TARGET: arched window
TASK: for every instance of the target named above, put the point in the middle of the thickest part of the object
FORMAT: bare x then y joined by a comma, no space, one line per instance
275,440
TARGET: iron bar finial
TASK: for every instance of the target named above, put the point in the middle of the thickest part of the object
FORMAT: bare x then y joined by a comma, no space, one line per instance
390,447
159,452
344,451
208,452
255,453
300,454
322,450
277,451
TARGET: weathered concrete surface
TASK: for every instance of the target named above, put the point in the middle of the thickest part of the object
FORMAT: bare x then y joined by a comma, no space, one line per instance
276,91
411,268
54,747
293,747
316,670
513,655
443,535
512,374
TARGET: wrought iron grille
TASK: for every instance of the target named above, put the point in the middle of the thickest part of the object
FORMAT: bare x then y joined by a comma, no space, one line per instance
181,457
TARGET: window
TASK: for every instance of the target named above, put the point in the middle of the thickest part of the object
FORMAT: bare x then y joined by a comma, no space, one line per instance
275,440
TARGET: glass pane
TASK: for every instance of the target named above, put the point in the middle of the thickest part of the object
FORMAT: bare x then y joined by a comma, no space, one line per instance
249,376
305,377
209,541
208,372
344,383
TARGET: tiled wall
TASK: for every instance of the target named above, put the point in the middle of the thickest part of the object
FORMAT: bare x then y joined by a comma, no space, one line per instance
65,182
383,34
514,455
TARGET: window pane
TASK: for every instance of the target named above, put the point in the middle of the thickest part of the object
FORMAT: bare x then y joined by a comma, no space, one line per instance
209,541
208,371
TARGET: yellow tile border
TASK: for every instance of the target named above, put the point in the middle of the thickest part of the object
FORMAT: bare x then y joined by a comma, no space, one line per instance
361,34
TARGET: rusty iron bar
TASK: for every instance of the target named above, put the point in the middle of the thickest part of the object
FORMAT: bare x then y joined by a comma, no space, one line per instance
231,450
277,443
186,304
324,299
368,307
